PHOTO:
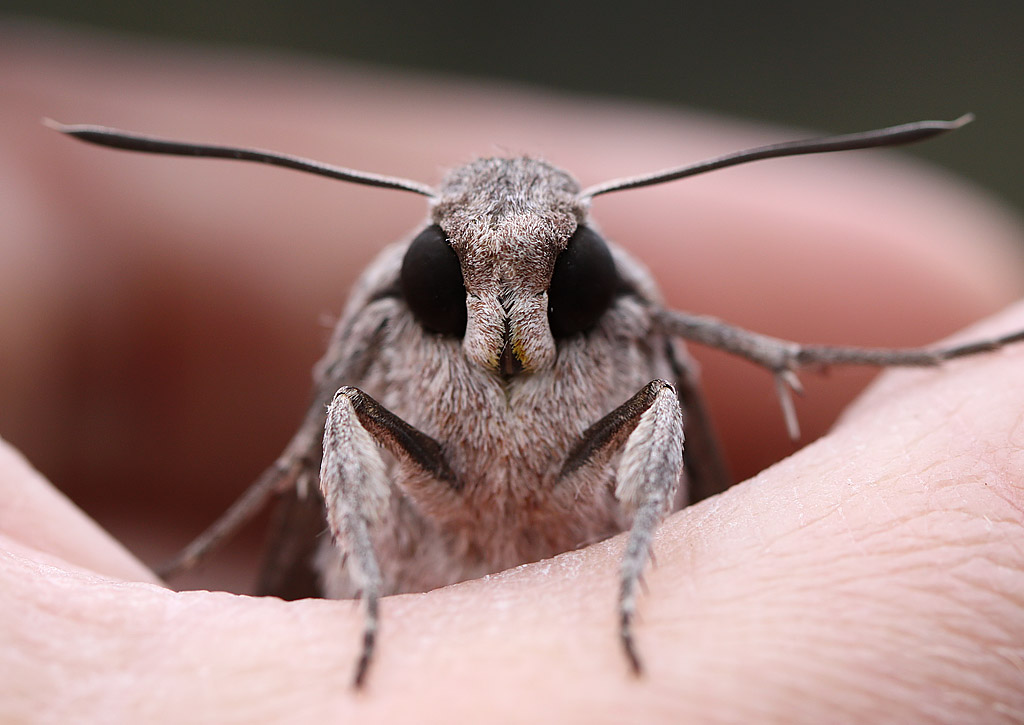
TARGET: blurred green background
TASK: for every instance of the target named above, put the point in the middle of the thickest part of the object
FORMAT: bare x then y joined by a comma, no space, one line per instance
828,66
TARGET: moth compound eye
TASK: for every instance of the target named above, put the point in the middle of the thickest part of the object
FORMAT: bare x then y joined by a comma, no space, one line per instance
582,285
431,283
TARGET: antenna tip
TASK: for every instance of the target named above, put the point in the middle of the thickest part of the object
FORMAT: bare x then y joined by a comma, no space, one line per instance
962,121
55,125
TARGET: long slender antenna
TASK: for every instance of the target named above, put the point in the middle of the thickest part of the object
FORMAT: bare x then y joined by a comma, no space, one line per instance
892,136
114,138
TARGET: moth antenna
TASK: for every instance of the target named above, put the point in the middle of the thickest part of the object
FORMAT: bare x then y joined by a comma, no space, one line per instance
124,140
891,136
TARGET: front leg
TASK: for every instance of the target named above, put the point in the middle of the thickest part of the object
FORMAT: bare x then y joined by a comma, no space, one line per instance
353,480
646,480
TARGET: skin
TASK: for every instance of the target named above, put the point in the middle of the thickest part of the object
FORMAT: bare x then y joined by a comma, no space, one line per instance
876,573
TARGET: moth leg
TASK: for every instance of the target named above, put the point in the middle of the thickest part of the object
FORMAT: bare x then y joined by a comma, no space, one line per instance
353,480
296,457
783,358
706,472
299,520
651,423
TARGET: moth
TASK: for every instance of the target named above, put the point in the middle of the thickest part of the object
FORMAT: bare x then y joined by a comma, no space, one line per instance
503,386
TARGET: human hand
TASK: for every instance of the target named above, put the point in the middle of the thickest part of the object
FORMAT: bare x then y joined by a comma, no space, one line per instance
875,572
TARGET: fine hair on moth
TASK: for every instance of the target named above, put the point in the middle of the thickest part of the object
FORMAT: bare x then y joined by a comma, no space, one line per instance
504,385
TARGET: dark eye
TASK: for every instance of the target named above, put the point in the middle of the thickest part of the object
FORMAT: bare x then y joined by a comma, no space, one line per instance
582,285
431,282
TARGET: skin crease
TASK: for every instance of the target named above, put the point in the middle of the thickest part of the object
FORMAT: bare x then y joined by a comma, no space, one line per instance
877,573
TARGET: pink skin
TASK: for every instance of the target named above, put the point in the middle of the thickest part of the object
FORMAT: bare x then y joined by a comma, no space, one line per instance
878,572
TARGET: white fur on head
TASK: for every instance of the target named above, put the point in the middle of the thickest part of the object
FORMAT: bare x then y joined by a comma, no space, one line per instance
508,220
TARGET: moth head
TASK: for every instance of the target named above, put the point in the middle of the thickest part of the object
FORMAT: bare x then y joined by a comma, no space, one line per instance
510,243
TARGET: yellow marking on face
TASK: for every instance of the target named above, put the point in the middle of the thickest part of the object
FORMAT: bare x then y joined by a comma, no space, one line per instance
520,353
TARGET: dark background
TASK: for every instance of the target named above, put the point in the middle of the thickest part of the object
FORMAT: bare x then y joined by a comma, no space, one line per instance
827,66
